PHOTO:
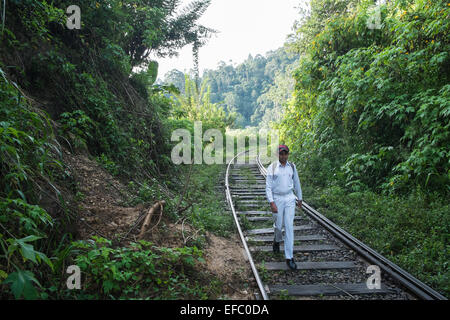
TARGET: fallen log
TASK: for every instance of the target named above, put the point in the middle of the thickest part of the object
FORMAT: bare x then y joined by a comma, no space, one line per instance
158,206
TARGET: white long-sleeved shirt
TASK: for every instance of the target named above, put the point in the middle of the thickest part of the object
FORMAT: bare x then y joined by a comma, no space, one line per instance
283,181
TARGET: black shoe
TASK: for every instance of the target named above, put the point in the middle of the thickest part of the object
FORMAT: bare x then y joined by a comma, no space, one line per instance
276,247
291,264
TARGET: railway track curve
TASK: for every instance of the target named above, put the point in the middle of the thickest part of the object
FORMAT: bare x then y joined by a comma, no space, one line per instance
331,262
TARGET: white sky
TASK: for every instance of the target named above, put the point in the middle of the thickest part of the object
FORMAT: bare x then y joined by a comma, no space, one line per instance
244,27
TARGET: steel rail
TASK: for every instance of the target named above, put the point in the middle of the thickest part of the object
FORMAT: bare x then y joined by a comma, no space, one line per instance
241,235
414,285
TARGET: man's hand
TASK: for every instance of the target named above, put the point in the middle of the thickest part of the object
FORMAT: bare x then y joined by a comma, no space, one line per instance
299,203
274,208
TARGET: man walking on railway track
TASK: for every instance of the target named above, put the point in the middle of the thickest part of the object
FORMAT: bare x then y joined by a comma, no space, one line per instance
281,182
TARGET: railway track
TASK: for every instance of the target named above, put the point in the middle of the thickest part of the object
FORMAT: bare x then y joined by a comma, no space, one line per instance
331,263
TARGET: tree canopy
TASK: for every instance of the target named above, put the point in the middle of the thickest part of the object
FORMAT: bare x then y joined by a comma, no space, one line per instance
372,105
238,88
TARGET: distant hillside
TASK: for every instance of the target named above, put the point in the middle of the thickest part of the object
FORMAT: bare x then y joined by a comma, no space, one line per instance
254,89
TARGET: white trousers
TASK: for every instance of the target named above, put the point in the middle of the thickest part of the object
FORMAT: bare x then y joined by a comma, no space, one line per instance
285,217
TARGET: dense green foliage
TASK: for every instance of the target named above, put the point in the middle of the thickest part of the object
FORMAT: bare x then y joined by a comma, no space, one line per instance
90,90
242,89
89,76
372,106
29,161
141,271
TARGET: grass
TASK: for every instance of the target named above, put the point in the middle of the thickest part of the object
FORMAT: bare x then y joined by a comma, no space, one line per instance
209,212
411,231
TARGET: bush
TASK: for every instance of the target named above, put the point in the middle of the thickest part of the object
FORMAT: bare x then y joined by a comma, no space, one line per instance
28,150
140,271
410,231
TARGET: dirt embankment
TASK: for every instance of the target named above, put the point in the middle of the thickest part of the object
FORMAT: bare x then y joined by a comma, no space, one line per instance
102,213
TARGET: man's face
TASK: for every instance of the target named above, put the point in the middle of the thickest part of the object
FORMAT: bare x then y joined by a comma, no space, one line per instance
283,156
